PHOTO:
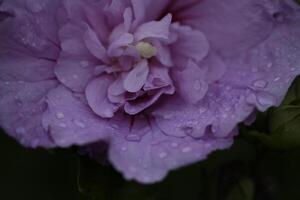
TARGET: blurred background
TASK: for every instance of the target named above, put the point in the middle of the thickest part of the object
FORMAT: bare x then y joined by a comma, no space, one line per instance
36,174
244,172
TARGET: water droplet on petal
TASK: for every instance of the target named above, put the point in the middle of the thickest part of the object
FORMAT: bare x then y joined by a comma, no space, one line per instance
197,85
174,144
84,63
265,99
277,79
162,155
186,149
202,110
75,76
59,115
260,83
123,148
269,65
62,125
133,137
79,123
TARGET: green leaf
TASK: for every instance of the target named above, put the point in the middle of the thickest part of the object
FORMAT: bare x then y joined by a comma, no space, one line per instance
293,94
243,190
284,117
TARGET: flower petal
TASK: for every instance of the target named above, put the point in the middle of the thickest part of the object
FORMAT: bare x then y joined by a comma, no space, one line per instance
96,95
154,29
22,105
137,77
190,43
149,160
94,45
70,121
191,83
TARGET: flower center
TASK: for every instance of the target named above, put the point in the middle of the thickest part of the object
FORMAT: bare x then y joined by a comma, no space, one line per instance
146,50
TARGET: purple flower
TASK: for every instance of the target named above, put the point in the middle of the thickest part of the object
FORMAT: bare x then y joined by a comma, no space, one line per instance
162,83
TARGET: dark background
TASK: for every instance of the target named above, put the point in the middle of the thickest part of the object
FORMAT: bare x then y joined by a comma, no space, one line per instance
243,172
36,174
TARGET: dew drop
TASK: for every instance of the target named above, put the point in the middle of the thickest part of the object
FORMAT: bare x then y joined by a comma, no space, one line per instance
265,99
59,115
75,76
293,69
260,83
269,65
202,110
174,144
197,85
124,149
62,125
186,149
84,63
79,123
162,155
277,79
133,137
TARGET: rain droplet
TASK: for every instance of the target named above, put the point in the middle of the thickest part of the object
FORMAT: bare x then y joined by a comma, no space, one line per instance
265,99
162,155
79,123
84,63
260,83
123,148
269,65
62,125
59,115
277,79
186,149
202,110
133,137
174,144
197,85
75,76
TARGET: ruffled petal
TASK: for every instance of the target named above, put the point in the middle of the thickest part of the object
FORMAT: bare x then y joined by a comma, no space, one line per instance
190,43
150,159
238,26
191,83
75,72
218,113
94,45
137,77
71,122
154,29
96,95
269,68
22,105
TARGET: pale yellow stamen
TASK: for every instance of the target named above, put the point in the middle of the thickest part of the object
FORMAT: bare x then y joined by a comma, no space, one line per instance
146,50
